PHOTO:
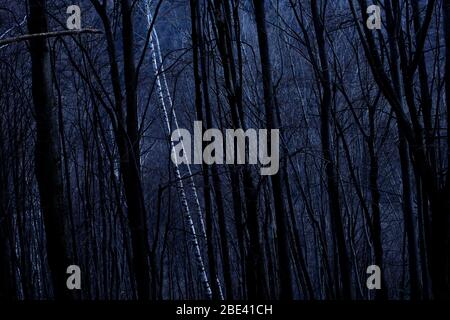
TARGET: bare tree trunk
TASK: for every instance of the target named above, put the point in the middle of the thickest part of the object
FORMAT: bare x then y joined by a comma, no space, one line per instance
404,159
255,274
381,294
162,92
6,277
132,175
47,153
201,84
412,133
284,261
441,206
330,170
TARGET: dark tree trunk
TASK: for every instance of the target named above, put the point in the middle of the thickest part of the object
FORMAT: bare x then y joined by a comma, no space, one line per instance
254,266
441,206
131,161
205,169
202,98
381,294
404,159
6,277
284,261
330,170
47,153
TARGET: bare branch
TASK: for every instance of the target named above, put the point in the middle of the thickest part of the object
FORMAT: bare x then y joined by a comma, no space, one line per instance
47,35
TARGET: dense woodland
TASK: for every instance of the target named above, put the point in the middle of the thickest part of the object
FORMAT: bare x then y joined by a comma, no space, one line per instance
85,171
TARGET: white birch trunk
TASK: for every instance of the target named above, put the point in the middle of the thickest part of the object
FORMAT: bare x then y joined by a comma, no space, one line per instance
157,60
169,98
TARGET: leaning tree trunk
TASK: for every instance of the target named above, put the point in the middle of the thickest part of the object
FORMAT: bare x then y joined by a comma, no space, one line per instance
200,80
202,90
158,69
